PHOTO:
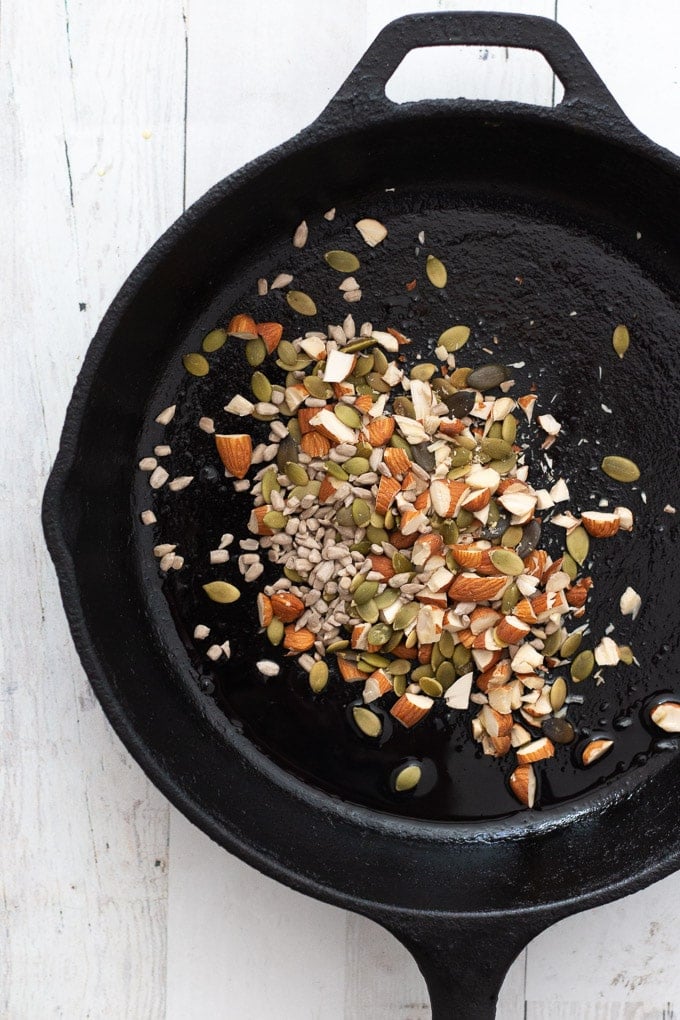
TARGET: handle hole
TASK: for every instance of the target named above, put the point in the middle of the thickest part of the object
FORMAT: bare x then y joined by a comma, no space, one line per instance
475,72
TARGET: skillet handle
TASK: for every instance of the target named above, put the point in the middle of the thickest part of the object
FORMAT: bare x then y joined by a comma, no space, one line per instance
364,90
464,959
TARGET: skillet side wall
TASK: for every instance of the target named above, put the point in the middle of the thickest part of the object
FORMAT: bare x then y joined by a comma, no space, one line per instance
618,839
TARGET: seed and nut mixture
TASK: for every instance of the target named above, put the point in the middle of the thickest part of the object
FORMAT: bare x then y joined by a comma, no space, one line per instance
394,499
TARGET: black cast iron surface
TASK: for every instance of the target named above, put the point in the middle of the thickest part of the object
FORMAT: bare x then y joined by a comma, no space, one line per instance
502,190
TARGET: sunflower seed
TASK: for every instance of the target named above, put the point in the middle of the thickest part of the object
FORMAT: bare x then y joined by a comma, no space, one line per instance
300,236
621,340
166,415
621,469
436,271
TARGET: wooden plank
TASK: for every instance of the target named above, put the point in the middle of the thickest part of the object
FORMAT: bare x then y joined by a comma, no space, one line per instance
84,852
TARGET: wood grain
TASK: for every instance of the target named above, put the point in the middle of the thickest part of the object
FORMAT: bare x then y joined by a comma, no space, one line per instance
113,905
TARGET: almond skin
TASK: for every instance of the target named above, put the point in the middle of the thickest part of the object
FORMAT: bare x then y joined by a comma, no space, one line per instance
243,325
271,333
537,750
380,431
387,490
314,444
594,750
511,630
523,785
298,640
600,525
411,708
264,609
287,607
236,453
470,588
348,670
397,460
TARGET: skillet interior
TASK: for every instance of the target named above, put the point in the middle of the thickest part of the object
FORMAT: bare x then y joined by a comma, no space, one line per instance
558,207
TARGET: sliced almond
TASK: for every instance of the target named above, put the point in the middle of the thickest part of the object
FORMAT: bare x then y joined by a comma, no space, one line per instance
411,708
537,750
595,750
600,524
630,602
666,716
523,785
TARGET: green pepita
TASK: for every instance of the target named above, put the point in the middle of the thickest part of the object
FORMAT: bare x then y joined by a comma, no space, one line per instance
296,473
558,693
386,598
408,778
578,544
570,567
446,674
379,634
337,646
369,612
367,721
275,519
213,340
286,352
571,645
582,666
356,466
497,449
270,483
364,365
399,683
348,416
196,364
552,643
447,644
275,631
318,677
261,387
221,591
361,513
512,536
342,261
256,352
436,271
293,575
431,687
454,338
300,302
509,429
621,340
621,469
316,387
506,561
399,667
626,655
510,599
423,372
406,615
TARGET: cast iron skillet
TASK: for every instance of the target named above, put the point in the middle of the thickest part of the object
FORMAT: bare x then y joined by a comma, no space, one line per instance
555,196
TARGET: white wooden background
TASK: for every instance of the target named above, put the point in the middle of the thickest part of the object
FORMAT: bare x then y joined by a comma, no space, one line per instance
114,906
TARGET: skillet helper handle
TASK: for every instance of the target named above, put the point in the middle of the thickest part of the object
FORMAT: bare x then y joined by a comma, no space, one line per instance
364,90
464,960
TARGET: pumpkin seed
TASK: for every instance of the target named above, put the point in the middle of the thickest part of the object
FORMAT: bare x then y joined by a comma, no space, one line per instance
293,575
496,431
446,644
530,538
570,567
342,261
376,536
286,352
368,612
408,778
498,449
454,338
512,536
296,473
510,599
464,518
461,403
363,547
626,655
460,457
582,666
423,457
420,672
386,598
275,519
337,646
467,442
552,643
378,383
431,687
509,429
506,561
406,616
461,658
560,731
621,340
275,631
436,658
196,364
487,377
571,645
401,563
256,352
380,362
360,345
361,513
261,387
436,271
348,416
423,372
316,387
270,483
213,340
221,591
446,674
621,469
367,721
578,544
558,693
449,532
400,444
364,365
357,466
374,660
336,471
318,676
399,683
379,634
287,452
399,667
301,302
364,666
